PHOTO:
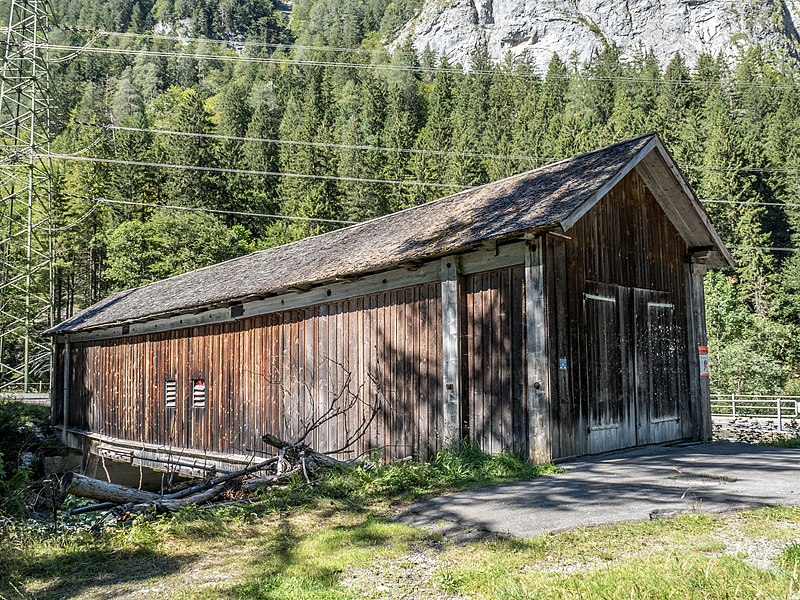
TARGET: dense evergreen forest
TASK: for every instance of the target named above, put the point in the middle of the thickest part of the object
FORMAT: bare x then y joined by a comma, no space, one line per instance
371,131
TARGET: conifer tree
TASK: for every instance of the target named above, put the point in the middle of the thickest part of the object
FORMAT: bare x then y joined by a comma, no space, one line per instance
435,137
305,119
470,106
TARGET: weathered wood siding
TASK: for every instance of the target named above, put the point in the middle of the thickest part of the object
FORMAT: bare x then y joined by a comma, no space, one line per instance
616,303
494,360
272,373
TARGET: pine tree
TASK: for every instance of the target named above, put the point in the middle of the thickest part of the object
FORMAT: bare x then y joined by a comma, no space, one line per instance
404,117
430,162
470,106
185,111
305,119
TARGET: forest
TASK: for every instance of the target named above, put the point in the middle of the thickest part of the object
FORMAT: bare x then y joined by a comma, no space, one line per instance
194,131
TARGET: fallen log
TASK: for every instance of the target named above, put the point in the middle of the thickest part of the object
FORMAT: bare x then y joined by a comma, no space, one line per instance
129,500
87,487
91,508
292,459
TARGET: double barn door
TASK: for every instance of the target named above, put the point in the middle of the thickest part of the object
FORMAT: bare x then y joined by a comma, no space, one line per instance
634,364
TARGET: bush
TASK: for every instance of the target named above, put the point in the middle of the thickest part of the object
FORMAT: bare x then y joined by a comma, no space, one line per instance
25,437
23,429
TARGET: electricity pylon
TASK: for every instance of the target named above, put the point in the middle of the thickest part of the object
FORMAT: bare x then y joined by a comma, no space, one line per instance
25,242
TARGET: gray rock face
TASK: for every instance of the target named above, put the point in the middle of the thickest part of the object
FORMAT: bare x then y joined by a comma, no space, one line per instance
540,28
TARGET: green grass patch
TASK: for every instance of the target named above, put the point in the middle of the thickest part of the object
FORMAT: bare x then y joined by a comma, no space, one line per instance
789,557
703,475
308,564
786,443
683,557
771,523
660,575
460,467
292,542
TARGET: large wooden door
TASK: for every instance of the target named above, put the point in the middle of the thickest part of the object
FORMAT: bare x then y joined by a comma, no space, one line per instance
610,413
633,367
657,366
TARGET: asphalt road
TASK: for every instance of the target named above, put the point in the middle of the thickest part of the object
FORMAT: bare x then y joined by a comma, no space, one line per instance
633,485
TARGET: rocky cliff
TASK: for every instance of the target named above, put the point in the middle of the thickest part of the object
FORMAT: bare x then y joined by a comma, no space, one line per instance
540,28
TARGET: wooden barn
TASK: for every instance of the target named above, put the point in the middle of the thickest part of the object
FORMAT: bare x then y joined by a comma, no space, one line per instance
555,313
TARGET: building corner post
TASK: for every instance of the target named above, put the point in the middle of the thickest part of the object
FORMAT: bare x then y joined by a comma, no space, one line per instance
537,363
699,339
451,349
65,392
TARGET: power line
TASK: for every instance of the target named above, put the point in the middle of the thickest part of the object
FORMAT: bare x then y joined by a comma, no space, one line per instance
529,74
367,51
101,200
133,163
768,248
779,204
416,151
739,169
236,138
234,42
413,182
77,221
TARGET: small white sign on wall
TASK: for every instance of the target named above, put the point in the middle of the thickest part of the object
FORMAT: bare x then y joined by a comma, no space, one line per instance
705,366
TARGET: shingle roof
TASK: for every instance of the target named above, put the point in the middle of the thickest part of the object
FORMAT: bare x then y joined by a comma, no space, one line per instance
533,201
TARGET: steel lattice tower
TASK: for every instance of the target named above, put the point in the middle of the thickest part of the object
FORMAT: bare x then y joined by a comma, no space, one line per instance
25,241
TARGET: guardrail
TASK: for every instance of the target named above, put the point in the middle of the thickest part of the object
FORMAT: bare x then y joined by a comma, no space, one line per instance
785,410
38,399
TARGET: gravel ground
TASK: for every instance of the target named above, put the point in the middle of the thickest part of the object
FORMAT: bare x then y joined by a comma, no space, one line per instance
409,577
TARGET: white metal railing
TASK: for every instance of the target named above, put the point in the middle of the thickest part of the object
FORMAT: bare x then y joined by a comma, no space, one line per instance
783,409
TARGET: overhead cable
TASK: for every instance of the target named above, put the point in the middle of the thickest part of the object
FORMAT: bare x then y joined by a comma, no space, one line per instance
525,74
133,163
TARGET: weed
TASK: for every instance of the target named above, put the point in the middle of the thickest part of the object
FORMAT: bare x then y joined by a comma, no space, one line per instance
786,443
789,557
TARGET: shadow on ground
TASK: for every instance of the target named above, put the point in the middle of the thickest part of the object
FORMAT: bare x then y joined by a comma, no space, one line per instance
626,486
70,574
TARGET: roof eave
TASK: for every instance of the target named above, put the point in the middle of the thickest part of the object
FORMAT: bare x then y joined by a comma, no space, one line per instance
222,303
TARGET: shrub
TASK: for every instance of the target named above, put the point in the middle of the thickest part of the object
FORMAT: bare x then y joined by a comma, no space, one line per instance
23,429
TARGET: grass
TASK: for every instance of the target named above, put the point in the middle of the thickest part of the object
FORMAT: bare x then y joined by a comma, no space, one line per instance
685,557
786,443
339,542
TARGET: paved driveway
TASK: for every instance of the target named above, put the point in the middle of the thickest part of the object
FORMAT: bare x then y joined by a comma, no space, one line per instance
627,486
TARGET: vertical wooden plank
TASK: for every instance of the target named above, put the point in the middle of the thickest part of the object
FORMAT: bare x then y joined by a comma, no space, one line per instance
481,365
696,321
503,341
468,380
66,391
538,394
519,425
557,416
451,350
